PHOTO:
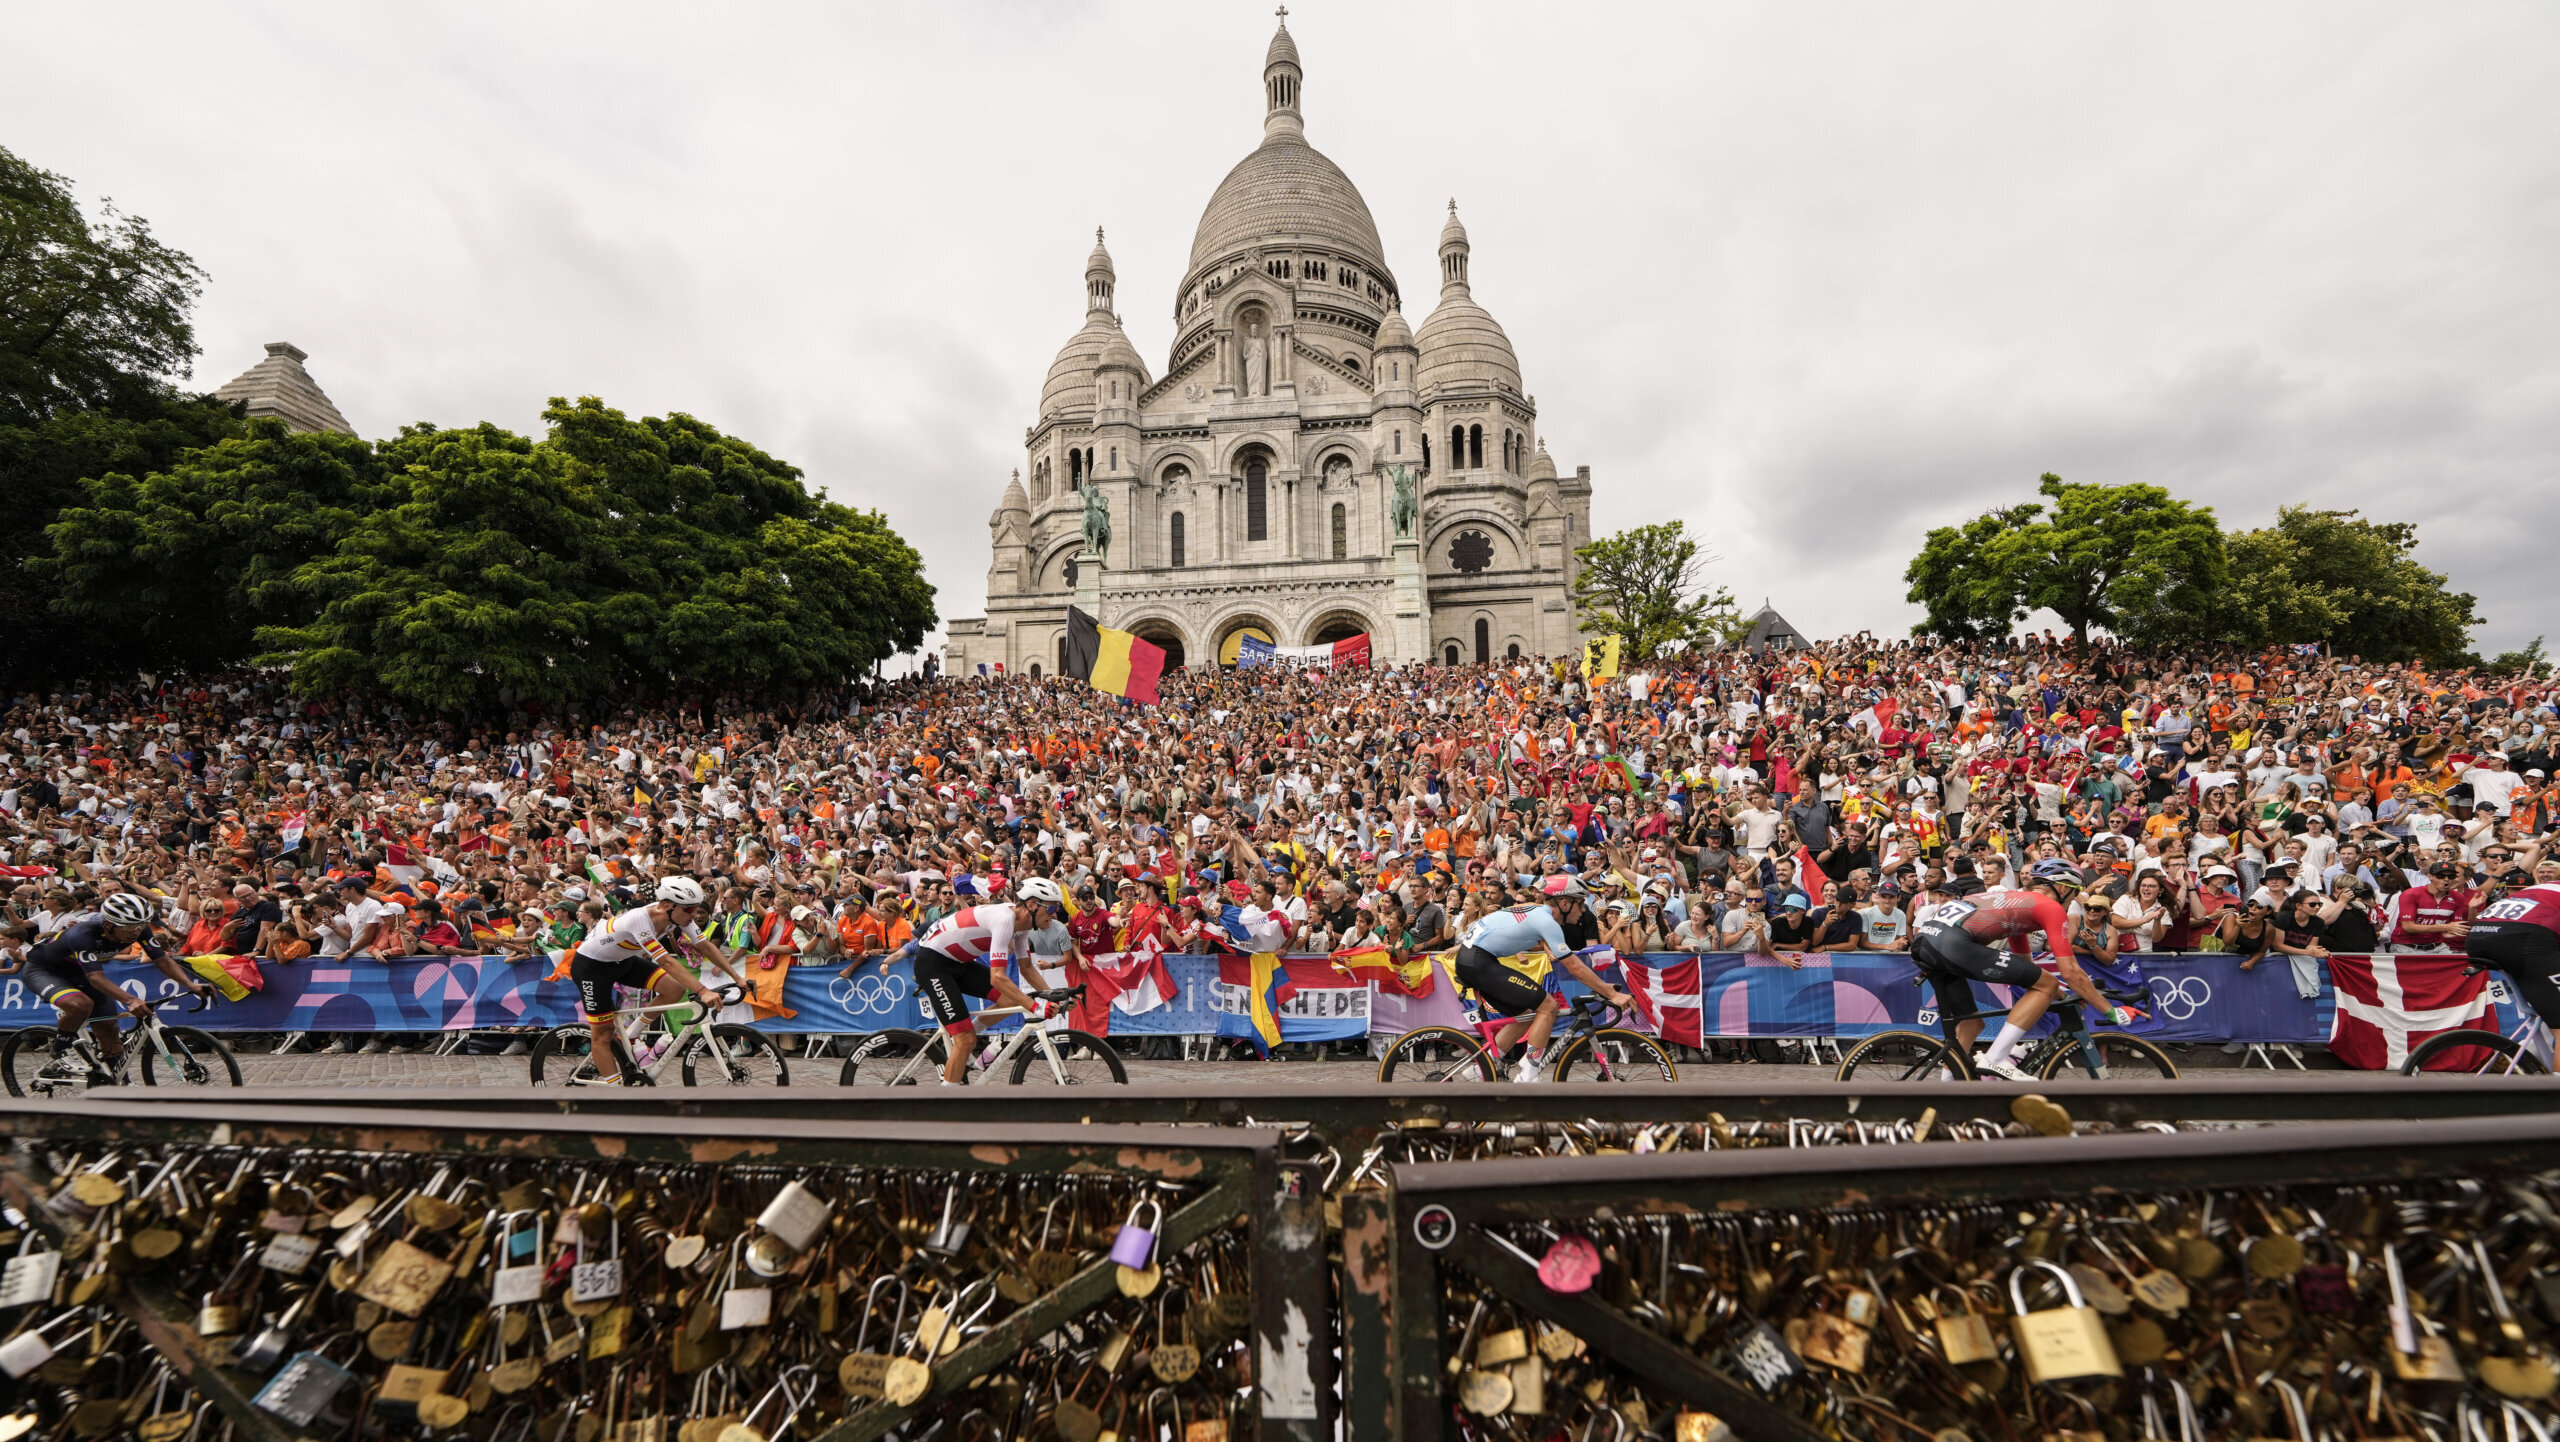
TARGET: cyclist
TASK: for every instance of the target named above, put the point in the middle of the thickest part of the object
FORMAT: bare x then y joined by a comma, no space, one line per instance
2519,934
1516,929
632,951
1952,941
953,962
68,969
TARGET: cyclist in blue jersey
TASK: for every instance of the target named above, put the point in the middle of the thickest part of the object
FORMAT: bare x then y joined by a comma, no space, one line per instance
1509,932
69,970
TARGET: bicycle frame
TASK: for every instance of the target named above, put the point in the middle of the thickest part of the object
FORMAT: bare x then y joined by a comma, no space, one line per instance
631,1022
148,1030
1027,1032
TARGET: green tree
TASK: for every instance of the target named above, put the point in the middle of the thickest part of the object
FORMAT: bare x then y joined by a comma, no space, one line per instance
1646,586
2132,559
184,564
2335,577
92,316
612,554
93,320
1967,596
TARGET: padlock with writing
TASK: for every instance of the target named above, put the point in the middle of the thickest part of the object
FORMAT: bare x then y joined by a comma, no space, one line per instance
863,1372
30,1349
30,1275
1964,1335
594,1278
2064,1342
305,1388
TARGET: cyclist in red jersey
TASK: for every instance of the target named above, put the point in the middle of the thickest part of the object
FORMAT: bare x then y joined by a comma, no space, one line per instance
1954,938
2519,934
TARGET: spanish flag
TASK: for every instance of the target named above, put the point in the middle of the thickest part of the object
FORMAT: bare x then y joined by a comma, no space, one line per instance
1600,658
1415,977
1113,661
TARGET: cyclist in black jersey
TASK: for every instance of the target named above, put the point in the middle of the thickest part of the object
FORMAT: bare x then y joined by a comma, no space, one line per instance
69,970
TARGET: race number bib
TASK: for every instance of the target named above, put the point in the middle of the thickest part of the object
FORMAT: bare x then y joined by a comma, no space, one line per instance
2511,909
1952,913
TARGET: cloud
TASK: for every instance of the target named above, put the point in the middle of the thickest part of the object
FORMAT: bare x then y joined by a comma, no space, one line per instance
1813,279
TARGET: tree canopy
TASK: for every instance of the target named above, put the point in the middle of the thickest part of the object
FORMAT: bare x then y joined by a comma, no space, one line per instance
2150,567
1647,586
609,555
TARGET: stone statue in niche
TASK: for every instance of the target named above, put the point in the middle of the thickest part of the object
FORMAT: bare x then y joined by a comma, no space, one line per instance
1097,525
1257,365
1404,502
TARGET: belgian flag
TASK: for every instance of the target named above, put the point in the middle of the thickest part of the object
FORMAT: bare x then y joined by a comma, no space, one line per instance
1113,661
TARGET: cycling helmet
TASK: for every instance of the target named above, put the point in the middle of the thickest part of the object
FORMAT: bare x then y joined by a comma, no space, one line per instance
1040,888
680,891
126,909
2059,873
1560,887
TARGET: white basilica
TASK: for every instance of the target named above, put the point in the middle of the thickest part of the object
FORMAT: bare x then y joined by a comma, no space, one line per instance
1308,468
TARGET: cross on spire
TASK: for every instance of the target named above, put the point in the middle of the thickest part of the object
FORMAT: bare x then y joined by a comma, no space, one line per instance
1283,13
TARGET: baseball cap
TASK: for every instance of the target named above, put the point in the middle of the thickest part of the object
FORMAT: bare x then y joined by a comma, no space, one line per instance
2444,868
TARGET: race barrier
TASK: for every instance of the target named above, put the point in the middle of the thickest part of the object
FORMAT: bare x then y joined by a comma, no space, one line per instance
2197,997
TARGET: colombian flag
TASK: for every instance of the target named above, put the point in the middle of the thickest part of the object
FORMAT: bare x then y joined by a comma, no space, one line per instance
1113,661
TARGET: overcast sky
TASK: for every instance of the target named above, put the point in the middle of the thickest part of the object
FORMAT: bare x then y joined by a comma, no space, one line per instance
1812,278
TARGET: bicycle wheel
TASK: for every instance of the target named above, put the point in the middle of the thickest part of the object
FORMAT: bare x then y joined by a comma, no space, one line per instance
1437,1054
187,1057
27,1053
881,1058
1084,1060
565,1056
1614,1054
2469,1051
1906,1056
734,1055
2118,1057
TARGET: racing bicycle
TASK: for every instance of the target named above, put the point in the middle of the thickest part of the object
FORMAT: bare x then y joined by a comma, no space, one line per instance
2478,1051
169,1056
1588,1045
1049,1051
2072,1049
705,1052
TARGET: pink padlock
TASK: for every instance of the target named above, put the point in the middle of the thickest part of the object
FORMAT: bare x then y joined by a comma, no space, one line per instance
1570,1265
1135,1247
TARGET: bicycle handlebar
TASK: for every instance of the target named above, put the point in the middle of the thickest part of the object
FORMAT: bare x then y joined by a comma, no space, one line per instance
203,1002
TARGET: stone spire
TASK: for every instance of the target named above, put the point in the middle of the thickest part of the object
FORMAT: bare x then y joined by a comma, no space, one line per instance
1098,277
1280,82
280,388
1453,254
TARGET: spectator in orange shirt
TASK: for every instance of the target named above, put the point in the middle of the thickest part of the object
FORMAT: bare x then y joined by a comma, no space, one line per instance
876,932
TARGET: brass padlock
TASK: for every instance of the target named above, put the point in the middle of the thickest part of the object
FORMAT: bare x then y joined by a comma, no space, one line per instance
1964,1335
2063,1342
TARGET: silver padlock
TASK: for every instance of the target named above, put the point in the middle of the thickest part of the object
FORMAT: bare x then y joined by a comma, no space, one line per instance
30,1275
595,1281
518,1280
950,1235
304,1388
30,1349
796,1215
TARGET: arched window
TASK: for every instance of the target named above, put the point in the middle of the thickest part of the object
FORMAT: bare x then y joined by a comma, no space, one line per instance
1035,666
1341,532
1399,443
1177,538
1450,659
1475,447
1075,470
1062,649
1257,518
1484,642
1115,458
1457,447
1515,651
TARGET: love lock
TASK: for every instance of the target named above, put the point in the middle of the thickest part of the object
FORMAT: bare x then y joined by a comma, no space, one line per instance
951,1234
1135,1246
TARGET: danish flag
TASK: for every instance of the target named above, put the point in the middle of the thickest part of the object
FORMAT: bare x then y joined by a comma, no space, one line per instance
2388,1004
1668,998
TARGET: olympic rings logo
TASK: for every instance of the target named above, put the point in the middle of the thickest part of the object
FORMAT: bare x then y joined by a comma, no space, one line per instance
2182,998
868,993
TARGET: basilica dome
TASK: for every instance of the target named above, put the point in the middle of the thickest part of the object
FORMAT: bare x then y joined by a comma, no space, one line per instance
1286,191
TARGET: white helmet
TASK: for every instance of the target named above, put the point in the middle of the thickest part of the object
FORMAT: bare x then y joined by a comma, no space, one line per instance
1040,888
680,891
126,909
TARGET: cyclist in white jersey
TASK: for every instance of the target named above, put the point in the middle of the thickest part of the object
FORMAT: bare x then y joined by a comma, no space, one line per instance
632,951
953,962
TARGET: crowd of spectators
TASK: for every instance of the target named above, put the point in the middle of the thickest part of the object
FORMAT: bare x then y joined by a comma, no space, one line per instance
2272,804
